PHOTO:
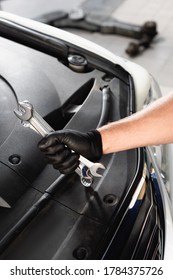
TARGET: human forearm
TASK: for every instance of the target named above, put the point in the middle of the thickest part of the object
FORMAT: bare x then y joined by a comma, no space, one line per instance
151,126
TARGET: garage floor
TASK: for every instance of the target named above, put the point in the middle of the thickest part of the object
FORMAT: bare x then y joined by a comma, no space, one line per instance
158,59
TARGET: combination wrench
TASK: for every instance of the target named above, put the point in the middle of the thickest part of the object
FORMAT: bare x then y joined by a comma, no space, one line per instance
30,118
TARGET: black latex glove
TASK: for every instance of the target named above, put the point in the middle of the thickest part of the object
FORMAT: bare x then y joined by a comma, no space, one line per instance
58,146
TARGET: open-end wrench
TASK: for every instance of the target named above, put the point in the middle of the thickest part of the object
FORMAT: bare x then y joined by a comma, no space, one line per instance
30,118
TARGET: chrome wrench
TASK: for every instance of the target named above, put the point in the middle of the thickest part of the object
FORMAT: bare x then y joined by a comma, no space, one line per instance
30,118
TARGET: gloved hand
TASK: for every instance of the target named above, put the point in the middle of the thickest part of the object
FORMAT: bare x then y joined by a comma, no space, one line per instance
58,146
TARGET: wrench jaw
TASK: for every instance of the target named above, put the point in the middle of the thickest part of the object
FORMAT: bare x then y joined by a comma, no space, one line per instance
30,118
25,111
94,169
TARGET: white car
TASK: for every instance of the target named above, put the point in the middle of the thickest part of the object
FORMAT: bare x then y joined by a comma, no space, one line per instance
73,83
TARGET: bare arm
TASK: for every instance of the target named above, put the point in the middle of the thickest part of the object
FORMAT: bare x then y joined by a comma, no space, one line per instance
150,126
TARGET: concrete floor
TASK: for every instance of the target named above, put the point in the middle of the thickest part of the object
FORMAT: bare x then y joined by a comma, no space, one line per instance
158,59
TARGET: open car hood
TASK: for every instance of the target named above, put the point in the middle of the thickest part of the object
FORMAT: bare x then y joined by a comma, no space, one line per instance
74,84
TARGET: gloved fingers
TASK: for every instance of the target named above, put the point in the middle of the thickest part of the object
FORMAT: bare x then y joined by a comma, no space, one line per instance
70,169
57,158
48,141
68,165
52,150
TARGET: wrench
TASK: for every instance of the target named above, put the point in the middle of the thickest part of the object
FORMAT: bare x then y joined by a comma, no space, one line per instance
30,118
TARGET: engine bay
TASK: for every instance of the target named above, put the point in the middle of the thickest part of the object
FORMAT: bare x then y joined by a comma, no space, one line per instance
52,216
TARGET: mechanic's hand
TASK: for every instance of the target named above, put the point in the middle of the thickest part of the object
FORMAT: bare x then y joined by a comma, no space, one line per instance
58,146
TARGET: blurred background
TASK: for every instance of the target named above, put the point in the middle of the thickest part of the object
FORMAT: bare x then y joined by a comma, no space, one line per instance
157,59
